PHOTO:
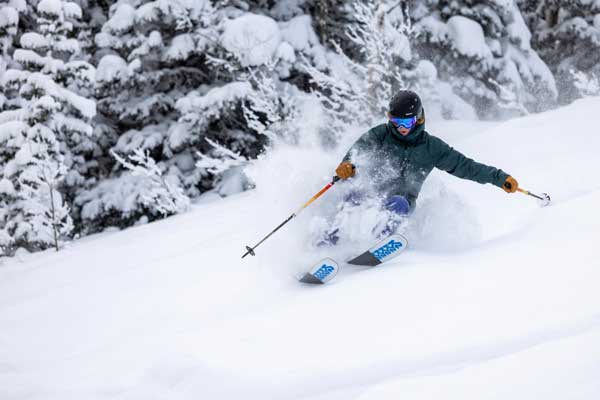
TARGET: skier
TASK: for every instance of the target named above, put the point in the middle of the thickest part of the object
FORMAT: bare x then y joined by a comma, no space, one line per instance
401,154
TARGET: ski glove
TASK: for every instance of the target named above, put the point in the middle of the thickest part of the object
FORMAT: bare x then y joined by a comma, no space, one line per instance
510,185
345,170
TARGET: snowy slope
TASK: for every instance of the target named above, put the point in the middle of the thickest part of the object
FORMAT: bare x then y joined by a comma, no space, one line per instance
497,298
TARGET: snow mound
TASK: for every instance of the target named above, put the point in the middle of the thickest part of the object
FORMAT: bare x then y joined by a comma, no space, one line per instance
122,20
33,40
6,187
299,33
8,17
214,98
50,7
111,68
181,47
467,37
85,106
72,10
252,38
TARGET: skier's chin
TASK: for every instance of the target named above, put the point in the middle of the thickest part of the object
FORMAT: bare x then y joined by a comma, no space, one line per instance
403,131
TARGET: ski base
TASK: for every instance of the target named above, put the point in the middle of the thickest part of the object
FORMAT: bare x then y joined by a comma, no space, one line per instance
322,272
383,251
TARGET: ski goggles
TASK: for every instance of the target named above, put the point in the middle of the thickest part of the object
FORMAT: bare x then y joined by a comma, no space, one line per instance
407,123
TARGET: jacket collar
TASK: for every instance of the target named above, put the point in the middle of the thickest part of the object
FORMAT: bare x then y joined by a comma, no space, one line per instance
415,136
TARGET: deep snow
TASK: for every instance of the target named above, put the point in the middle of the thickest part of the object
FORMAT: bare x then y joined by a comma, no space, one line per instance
496,299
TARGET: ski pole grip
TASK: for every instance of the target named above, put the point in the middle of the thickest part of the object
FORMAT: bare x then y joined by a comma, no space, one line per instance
337,178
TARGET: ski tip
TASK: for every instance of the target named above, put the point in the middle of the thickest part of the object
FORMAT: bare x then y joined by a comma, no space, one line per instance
309,278
322,272
366,259
385,250
389,247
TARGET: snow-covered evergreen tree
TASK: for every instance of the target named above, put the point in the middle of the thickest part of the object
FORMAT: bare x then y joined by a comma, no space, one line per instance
160,196
356,80
483,49
35,215
355,85
12,137
150,55
566,34
52,121
9,20
252,106
176,73
145,191
41,201
9,25
586,84
53,60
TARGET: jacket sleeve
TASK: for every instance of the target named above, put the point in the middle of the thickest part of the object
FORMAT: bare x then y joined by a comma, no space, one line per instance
457,164
366,142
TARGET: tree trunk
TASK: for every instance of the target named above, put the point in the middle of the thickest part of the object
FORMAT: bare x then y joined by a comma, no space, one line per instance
53,214
322,15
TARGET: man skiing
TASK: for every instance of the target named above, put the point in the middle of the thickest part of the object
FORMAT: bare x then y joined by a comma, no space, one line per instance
400,155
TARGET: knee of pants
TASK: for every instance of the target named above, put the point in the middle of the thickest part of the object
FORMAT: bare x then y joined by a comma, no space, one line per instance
398,205
354,197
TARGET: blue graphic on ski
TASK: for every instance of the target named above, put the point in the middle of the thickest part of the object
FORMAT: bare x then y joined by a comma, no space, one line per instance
321,272
383,251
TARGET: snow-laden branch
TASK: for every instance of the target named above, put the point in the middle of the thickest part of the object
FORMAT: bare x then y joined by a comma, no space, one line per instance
162,195
220,160
587,84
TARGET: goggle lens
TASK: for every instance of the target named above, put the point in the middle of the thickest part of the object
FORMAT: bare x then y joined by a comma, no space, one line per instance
407,123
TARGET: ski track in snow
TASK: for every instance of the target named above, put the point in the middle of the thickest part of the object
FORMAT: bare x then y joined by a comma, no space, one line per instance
446,363
169,311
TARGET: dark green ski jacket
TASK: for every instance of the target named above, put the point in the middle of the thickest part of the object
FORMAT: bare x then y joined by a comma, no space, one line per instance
398,165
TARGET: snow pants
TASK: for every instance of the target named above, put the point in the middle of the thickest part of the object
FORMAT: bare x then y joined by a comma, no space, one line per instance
396,204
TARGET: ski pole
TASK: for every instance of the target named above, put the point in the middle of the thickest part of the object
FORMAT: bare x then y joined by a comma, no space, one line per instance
250,250
544,198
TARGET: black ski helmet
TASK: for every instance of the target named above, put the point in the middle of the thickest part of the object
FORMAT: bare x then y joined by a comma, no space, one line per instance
406,104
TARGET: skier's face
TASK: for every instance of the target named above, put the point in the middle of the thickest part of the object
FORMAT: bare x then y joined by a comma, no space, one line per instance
403,130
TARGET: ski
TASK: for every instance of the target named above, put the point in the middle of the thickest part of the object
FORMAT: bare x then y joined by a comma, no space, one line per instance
321,272
385,250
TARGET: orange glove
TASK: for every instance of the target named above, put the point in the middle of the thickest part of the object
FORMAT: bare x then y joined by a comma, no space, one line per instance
510,185
345,170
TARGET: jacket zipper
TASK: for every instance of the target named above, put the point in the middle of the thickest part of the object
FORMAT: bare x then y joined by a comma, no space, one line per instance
404,166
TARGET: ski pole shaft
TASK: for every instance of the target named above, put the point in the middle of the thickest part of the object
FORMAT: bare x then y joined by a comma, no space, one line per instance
250,250
316,196
528,193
